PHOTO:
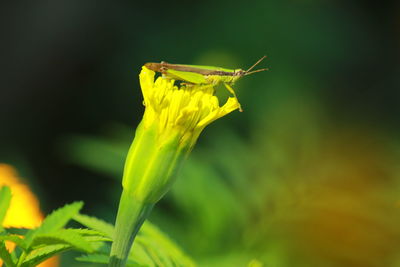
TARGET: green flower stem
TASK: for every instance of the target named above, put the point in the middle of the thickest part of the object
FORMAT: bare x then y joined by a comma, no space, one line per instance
131,216
150,167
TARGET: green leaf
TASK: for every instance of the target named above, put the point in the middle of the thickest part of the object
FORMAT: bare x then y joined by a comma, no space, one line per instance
104,259
5,199
93,258
15,239
62,236
55,221
60,217
5,255
141,254
88,232
97,238
94,223
160,247
92,235
41,254
151,248
17,231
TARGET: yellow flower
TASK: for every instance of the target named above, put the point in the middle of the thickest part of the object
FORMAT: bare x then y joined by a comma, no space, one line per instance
172,122
24,210
186,110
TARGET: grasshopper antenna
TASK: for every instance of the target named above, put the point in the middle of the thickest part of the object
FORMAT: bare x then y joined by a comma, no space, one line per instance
255,64
254,71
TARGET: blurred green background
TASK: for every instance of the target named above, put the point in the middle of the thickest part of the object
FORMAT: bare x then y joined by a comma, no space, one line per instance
307,175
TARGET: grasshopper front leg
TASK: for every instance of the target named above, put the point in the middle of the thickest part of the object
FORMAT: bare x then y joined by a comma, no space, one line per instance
230,89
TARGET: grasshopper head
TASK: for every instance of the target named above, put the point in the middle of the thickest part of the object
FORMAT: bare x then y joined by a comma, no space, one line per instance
236,75
154,66
239,73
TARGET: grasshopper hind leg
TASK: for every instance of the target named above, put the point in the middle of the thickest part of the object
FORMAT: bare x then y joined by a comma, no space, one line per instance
230,89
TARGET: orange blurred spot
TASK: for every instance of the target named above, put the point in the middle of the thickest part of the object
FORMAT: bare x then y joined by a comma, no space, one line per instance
340,197
24,211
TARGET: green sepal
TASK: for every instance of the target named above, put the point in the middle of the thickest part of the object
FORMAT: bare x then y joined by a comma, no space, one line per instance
152,162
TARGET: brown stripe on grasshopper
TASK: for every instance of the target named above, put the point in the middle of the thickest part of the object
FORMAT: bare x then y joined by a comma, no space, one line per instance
161,67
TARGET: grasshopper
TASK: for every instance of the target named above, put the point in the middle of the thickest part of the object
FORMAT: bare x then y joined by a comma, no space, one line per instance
203,75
